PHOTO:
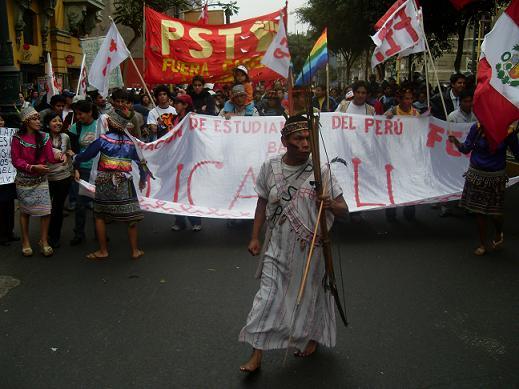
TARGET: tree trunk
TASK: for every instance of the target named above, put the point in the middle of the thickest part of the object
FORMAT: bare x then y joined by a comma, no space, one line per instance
367,64
461,42
410,59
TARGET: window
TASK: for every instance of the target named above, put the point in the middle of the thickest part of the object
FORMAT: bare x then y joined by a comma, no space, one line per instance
29,19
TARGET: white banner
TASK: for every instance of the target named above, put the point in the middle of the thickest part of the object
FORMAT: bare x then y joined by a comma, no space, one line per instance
208,165
7,170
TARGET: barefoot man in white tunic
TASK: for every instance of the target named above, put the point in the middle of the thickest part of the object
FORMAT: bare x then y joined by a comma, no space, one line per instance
287,205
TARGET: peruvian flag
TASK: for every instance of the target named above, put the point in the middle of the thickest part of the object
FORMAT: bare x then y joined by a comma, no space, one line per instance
496,100
460,4
204,15
112,52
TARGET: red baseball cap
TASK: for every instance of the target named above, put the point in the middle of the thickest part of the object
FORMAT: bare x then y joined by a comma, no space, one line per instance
185,98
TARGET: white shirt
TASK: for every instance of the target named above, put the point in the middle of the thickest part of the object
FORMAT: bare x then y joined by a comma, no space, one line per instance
160,113
458,116
455,100
357,109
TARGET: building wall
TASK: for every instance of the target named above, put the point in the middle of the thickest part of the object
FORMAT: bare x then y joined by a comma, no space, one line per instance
65,49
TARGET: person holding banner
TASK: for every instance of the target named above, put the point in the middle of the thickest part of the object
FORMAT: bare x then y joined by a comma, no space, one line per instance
203,102
82,134
31,151
160,118
237,105
183,105
485,181
59,176
7,197
405,98
115,195
358,105
287,205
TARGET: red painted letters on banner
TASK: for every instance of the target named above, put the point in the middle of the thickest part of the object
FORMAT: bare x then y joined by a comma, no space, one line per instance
177,50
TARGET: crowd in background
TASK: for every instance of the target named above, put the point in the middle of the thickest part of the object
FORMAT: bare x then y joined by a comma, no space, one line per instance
70,124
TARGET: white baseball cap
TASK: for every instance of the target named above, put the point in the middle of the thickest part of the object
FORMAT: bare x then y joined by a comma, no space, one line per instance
242,68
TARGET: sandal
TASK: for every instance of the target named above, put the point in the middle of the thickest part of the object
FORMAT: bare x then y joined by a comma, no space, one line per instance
27,251
497,244
481,250
46,250
135,257
94,257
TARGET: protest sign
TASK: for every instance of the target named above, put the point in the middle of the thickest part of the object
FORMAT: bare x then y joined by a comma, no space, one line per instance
177,50
7,170
207,166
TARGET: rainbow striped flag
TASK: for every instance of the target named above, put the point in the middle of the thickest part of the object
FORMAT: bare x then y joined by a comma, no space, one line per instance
316,60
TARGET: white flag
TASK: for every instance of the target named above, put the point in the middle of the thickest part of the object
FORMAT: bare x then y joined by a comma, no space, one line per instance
82,82
51,85
277,56
112,52
420,46
400,32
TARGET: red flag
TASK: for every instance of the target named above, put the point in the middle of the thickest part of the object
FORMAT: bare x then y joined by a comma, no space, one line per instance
460,4
387,15
496,100
204,15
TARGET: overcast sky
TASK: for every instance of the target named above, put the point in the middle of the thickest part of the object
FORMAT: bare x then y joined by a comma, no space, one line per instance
252,8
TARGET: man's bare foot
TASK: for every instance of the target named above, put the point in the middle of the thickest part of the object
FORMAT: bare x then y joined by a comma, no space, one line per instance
254,362
311,347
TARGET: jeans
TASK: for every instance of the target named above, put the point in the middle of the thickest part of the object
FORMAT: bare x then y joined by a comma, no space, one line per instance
81,207
6,219
409,212
58,193
181,221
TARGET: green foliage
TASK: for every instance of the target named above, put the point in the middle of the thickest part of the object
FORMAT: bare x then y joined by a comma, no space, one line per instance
299,46
130,12
351,22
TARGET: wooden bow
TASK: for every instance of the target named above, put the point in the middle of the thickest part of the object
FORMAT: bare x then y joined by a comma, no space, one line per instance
321,223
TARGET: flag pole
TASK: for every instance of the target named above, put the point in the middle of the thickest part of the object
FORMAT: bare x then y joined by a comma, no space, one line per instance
426,67
80,74
144,36
138,71
428,50
142,80
327,87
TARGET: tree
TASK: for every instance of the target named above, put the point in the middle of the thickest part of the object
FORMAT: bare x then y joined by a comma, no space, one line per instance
348,34
299,46
130,13
351,22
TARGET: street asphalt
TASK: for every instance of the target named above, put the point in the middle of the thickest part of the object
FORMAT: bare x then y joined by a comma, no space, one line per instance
424,311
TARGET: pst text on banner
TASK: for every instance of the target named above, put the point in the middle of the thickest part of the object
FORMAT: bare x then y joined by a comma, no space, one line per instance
7,170
177,50
207,166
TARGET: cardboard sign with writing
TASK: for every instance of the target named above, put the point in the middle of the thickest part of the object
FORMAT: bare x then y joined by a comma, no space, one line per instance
7,170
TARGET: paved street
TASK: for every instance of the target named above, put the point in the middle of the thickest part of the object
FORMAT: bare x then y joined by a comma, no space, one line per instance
424,312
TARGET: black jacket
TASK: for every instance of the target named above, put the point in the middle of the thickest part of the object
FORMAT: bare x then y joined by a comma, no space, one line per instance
437,107
201,100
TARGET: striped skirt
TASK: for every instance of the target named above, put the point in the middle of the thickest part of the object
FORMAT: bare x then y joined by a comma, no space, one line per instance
484,192
116,199
33,194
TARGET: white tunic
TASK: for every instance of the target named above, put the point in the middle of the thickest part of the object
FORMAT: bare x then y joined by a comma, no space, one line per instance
271,322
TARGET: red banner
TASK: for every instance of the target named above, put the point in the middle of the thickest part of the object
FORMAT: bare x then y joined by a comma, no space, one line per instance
177,50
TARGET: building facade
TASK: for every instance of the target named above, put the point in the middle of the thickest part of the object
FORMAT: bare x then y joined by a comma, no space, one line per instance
29,29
